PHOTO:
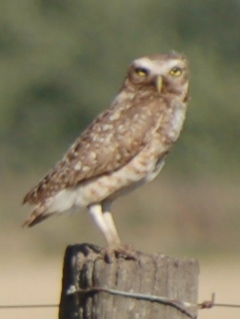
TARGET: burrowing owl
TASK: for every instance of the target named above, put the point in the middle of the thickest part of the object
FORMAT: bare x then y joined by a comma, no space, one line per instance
124,147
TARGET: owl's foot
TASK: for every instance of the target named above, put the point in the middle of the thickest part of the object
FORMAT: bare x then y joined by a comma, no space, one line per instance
124,251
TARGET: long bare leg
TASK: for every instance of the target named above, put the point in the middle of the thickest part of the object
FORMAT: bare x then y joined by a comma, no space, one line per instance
126,251
107,215
97,214
104,221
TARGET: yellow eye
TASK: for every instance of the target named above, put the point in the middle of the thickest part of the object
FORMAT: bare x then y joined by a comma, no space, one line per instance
141,71
176,71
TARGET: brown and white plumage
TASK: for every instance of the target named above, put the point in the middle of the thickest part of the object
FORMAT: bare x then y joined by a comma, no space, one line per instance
124,147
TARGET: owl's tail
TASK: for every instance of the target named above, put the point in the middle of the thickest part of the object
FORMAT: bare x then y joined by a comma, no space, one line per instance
36,217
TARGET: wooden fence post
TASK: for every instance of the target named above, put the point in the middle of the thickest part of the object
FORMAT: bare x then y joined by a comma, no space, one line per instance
159,275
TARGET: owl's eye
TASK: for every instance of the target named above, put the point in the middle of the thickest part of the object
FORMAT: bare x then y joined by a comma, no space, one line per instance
141,71
176,71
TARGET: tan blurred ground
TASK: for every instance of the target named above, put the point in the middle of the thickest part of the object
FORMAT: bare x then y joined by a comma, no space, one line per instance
199,219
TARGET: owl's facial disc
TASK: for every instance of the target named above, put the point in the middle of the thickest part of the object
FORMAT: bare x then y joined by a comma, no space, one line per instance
159,82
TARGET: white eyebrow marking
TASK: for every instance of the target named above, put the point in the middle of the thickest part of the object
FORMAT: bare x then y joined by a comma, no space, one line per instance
157,66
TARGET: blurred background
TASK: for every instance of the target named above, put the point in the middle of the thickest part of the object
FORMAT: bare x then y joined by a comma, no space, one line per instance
61,63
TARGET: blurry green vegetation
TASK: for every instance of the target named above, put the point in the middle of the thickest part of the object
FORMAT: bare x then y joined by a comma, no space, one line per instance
62,62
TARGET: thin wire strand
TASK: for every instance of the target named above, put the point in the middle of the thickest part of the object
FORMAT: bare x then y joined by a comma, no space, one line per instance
163,300
153,298
226,305
28,306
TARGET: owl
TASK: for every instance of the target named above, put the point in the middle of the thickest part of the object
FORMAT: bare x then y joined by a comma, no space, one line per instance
123,148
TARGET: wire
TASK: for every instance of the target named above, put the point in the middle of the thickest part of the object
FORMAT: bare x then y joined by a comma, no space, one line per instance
29,306
180,305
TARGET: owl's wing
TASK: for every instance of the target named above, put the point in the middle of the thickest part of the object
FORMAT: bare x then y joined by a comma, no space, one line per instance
111,141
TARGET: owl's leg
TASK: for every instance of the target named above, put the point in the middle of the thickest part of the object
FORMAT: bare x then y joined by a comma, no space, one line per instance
97,214
107,215
105,223
103,218
123,250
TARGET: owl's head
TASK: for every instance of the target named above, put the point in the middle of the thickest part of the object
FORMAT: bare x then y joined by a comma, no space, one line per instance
163,73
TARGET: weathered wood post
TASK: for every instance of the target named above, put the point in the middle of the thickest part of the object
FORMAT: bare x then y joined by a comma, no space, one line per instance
86,275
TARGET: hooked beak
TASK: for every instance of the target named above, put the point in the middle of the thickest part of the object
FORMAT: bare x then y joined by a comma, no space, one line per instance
159,81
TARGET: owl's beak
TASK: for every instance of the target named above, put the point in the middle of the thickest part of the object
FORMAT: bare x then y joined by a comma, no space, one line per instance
159,81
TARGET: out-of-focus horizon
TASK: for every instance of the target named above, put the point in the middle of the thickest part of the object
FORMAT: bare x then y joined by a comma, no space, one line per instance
61,64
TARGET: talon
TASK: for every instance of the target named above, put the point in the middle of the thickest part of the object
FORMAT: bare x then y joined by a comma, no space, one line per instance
126,252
